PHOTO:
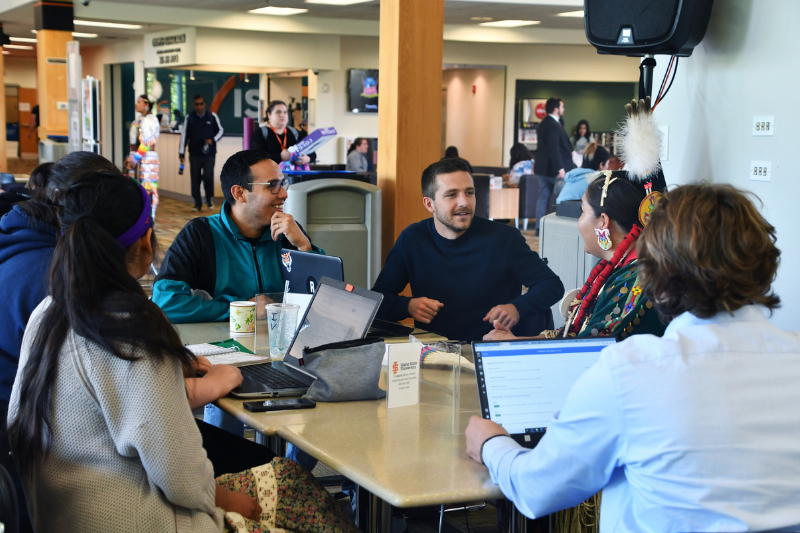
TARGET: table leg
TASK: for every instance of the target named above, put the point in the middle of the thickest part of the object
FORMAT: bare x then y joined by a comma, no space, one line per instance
373,515
276,443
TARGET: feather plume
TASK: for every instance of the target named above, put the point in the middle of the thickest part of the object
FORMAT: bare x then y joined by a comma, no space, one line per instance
640,145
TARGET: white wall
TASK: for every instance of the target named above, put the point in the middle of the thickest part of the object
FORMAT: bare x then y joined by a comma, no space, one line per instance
266,49
522,61
331,106
745,66
475,120
20,71
284,89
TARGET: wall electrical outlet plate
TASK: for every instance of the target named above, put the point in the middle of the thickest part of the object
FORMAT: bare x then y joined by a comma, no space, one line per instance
761,170
764,126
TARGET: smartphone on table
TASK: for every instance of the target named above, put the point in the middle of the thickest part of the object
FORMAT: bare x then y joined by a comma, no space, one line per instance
280,405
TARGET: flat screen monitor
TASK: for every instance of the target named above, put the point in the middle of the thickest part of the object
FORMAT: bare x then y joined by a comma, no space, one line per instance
363,90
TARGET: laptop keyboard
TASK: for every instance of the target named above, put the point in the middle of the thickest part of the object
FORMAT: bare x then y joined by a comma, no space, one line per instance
271,377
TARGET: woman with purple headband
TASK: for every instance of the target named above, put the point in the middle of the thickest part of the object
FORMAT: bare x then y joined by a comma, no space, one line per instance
99,423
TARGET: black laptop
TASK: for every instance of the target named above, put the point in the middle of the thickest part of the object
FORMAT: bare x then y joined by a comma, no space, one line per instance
337,312
507,370
304,270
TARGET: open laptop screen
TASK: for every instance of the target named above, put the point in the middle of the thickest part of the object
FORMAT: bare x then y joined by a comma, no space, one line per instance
334,315
522,383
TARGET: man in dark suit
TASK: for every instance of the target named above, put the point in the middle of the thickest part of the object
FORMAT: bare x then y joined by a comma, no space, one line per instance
553,154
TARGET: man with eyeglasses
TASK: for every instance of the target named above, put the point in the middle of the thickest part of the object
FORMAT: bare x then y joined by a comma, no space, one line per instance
234,255
202,130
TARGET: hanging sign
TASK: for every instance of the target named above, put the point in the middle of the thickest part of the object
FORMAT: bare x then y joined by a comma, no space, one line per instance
171,48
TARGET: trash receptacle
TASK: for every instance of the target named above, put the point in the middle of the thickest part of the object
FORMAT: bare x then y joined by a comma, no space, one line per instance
343,217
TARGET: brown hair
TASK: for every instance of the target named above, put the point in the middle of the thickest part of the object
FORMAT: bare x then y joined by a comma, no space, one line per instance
705,250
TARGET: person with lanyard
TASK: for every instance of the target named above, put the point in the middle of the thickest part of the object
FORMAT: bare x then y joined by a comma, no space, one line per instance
277,137
616,206
143,160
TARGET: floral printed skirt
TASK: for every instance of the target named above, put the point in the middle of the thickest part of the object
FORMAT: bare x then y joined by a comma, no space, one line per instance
291,499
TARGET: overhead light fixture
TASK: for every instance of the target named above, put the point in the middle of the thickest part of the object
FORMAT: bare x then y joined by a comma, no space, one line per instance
117,25
79,34
509,23
338,2
481,19
18,46
21,40
278,11
576,14
191,75
247,78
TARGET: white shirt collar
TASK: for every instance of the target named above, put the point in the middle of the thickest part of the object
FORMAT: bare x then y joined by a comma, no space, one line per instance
554,118
748,313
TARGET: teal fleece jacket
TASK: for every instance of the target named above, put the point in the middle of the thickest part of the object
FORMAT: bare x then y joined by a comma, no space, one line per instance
211,264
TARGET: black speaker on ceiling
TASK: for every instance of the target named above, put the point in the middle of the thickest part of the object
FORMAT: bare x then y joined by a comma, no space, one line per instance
646,27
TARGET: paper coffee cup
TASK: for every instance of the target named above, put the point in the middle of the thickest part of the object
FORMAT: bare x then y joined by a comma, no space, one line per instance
243,317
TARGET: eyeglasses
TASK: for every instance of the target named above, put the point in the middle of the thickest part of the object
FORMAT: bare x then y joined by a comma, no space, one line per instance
275,185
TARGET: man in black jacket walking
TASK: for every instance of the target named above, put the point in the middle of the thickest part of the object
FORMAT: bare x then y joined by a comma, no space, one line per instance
553,154
202,130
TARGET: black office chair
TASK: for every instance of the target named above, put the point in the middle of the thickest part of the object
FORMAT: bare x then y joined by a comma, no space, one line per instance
9,513
481,194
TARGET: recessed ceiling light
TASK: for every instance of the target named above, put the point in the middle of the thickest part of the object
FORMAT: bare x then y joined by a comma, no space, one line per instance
509,23
117,25
483,19
22,40
85,35
338,2
576,14
18,46
278,11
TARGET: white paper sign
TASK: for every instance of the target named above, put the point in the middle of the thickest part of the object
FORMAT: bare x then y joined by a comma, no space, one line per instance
403,376
170,48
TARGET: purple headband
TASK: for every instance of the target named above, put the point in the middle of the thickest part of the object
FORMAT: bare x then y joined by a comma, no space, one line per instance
141,226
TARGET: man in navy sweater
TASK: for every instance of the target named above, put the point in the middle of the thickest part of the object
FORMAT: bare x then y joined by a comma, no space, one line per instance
465,272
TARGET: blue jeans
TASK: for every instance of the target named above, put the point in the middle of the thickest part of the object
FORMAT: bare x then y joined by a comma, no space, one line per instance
546,184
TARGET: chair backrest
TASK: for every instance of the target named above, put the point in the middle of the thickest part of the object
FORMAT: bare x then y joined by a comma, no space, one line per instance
494,171
9,512
481,194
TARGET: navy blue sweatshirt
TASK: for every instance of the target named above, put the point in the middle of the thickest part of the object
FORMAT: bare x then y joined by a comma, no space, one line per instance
484,267
26,249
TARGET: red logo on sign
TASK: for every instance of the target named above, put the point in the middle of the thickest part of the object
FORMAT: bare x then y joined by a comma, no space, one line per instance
540,111
395,367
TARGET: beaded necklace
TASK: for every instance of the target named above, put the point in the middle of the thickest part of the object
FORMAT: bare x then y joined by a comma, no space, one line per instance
598,277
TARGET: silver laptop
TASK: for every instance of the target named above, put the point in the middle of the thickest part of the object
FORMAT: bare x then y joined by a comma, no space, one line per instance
337,312
522,383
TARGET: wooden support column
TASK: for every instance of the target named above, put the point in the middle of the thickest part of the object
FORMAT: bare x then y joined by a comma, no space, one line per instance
410,109
53,23
51,69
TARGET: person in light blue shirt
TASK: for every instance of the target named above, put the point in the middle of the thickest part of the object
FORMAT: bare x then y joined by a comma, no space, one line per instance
695,431
595,158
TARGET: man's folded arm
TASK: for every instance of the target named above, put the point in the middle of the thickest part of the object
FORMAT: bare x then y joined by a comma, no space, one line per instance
392,280
184,287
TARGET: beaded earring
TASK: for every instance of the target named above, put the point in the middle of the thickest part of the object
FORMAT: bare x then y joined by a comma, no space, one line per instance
603,238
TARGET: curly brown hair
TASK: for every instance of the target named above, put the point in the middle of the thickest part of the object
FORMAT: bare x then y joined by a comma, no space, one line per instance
705,250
